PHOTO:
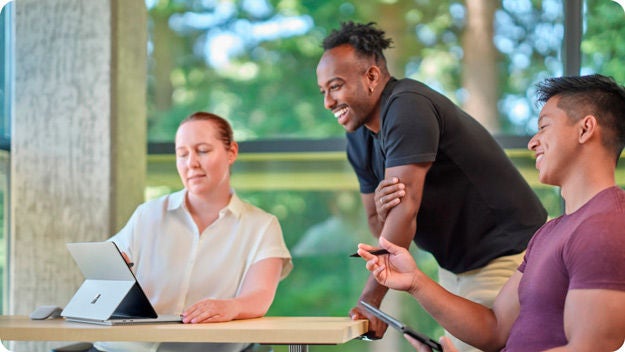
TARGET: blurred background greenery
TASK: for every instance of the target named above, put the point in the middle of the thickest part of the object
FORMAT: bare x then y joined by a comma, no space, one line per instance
254,63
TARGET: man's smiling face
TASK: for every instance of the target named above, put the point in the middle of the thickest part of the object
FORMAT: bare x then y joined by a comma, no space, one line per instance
342,80
555,144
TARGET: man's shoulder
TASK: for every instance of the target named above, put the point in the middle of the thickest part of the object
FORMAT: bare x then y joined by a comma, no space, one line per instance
407,90
409,85
609,203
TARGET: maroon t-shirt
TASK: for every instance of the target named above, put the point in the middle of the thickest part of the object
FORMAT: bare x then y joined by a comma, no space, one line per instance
582,250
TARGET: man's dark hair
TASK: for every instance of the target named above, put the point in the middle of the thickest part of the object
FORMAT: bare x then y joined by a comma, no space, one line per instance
595,95
365,38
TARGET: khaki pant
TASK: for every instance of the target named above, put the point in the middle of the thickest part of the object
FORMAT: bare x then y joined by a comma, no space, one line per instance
480,285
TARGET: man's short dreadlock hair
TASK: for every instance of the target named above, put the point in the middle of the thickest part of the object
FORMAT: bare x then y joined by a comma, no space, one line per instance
365,38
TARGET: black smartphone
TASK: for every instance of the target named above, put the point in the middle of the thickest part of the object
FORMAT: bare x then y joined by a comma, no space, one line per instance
433,344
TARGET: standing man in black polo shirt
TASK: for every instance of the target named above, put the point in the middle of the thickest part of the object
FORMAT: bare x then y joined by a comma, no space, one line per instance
449,186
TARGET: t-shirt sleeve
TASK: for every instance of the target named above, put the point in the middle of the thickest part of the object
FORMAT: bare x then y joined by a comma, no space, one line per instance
594,256
521,267
271,245
411,130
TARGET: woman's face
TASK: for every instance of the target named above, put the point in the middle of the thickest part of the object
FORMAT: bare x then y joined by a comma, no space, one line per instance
202,159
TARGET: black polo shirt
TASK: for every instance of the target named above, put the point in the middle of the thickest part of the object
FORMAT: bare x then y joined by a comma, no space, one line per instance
476,206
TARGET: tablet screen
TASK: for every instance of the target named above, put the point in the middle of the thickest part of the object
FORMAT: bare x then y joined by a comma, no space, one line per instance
433,344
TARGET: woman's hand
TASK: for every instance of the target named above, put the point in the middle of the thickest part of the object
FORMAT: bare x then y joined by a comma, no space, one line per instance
127,260
257,292
211,311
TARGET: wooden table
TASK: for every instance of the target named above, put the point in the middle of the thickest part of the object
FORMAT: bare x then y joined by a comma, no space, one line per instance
297,332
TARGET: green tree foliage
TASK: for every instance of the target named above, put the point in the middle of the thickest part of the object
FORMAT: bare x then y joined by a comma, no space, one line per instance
265,81
267,88
602,45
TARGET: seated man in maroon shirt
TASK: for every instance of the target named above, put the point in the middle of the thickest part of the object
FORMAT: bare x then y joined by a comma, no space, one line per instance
569,292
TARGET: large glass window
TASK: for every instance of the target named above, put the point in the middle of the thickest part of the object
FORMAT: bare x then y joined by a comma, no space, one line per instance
6,83
604,32
6,91
253,61
602,52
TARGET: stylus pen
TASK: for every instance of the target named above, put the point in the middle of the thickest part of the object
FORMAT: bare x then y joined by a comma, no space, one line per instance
375,252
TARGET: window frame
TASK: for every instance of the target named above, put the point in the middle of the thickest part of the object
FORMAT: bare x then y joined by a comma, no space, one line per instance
7,50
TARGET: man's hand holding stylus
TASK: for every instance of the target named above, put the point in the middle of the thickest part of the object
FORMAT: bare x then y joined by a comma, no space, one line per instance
396,270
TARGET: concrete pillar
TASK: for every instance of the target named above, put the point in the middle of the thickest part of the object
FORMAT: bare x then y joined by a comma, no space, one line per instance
78,149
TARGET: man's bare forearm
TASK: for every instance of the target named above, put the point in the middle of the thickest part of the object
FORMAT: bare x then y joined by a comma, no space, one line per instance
373,292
